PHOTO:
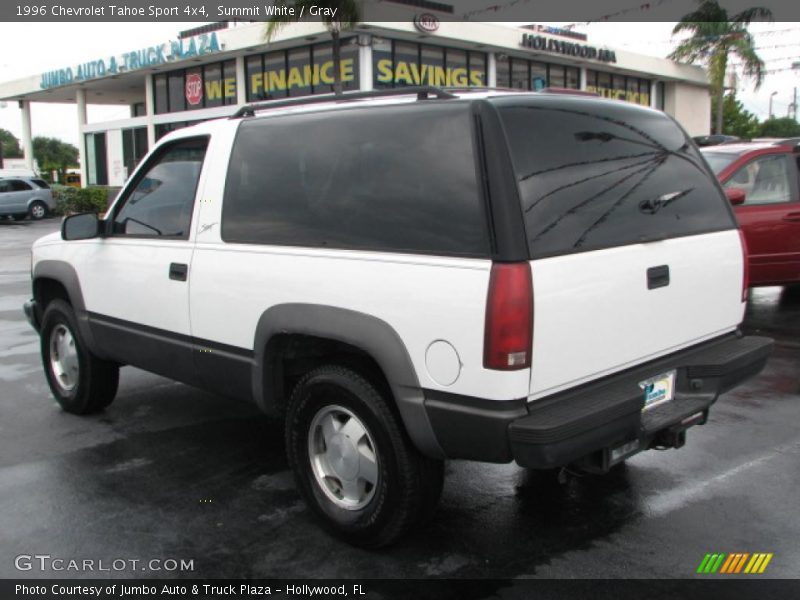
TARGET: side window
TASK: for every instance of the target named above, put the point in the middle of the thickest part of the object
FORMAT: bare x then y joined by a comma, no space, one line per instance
19,186
41,183
765,180
161,200
398,179
5,186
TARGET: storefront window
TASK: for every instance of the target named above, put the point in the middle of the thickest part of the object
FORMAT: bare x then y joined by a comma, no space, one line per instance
199,87
477,68
405,55
632,88
404,63
573,78
253,72
212,74
557,76
134,148
96,159
527,74
644,92
432,58
455,66
538,75
177,99
503,67
300,71
164,128
299,76
138,109
520,74
323,73
619,87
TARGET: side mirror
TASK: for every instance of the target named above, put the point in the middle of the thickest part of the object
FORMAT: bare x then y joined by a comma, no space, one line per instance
84,226
736,196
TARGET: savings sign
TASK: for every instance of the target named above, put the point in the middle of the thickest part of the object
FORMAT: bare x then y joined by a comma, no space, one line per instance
194,89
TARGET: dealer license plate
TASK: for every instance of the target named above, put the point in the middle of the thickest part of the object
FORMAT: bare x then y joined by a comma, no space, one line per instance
659,389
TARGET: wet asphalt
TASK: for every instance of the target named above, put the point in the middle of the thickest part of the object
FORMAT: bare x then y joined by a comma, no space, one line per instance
168,471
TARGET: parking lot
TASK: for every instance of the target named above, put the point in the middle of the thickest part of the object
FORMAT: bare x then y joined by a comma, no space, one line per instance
168,471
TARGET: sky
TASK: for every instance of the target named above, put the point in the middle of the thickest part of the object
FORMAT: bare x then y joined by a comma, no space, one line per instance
49,46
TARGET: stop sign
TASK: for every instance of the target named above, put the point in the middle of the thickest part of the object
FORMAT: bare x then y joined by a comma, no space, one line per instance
194,89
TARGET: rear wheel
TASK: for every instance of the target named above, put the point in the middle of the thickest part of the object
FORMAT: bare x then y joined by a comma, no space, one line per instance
353,461
81,382
37,210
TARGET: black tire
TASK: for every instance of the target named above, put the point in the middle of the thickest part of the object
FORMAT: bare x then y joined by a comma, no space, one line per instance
95,385
19,217
37,210
408,483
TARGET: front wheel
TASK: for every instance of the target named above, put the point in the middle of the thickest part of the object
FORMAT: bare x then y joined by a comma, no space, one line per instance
81,382
353,461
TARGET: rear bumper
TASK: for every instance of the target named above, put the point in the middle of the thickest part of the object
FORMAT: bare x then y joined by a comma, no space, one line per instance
600,423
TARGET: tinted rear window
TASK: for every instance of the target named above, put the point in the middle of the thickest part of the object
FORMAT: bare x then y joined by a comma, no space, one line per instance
41,183
595,174
397,178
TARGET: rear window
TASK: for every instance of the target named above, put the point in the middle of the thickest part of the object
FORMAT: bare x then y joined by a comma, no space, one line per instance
595,174
718,161
397,178
41,183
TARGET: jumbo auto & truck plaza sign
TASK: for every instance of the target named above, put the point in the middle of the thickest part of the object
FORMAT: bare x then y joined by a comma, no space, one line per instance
174,50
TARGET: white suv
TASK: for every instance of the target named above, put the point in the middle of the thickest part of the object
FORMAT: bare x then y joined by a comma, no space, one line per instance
412,275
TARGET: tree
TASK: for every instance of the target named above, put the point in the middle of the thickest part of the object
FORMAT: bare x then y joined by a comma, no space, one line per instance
736,120
346,15
715,37
783,127
10,145
54,155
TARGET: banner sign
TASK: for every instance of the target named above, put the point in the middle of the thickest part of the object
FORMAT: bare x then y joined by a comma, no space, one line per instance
538,42
198,45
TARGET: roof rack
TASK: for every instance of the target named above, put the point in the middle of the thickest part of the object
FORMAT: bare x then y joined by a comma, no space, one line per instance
422,92
481,88
568,91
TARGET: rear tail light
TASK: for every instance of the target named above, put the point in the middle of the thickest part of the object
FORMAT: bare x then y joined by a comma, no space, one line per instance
508,338
746,266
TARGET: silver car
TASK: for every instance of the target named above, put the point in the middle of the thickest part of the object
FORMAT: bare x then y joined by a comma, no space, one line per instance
21,197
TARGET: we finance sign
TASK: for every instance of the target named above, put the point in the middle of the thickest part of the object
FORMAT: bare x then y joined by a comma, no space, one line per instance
199,45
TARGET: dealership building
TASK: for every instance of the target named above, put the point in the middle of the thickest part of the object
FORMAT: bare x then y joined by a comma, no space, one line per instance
210,71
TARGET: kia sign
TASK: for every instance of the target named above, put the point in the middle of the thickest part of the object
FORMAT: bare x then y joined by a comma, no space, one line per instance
194,89
426,22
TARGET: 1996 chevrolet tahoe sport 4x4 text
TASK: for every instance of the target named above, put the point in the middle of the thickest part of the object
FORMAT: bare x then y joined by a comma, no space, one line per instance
413,275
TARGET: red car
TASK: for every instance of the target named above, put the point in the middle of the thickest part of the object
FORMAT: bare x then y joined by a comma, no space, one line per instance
762,181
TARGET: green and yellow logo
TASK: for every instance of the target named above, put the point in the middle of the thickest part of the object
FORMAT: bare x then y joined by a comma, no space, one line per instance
732,564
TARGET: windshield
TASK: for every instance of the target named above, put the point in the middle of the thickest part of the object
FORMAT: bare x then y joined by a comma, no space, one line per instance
719,160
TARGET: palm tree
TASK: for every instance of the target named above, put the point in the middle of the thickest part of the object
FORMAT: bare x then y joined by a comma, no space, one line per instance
716,36
346,16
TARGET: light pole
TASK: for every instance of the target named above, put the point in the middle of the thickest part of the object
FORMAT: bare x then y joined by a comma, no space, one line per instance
770,104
